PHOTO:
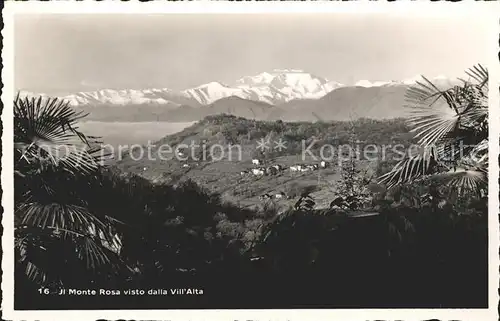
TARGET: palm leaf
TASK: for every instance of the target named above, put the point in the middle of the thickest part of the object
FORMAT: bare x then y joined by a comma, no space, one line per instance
91,252
451,126
413,167
35,274
464,180
436,113
35,245
432,113
45,130
61,216
480,74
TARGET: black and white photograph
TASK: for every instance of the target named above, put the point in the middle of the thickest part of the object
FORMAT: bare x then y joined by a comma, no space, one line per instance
300,161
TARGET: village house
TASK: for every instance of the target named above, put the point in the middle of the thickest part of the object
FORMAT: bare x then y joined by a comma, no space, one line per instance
280,195
312,167
305,168
258,171
256,161
296,168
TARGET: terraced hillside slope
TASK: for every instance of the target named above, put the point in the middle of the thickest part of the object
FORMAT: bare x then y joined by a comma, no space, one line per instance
219,153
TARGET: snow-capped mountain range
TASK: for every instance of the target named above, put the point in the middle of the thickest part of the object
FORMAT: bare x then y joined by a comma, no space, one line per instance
439,80
276,87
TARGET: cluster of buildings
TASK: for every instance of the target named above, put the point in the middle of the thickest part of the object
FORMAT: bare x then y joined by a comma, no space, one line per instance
260,171
277,168
278,196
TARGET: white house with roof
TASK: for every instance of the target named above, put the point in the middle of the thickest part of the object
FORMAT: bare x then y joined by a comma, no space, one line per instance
256,161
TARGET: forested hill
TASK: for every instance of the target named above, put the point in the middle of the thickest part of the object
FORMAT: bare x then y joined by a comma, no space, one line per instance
228,129
223,176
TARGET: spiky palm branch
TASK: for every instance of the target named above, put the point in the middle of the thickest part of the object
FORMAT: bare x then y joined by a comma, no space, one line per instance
46,134
54,162
452,130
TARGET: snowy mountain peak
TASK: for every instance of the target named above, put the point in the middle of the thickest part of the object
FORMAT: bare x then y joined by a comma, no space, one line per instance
212,85
281,71
265,78
274,87
261,79
288,84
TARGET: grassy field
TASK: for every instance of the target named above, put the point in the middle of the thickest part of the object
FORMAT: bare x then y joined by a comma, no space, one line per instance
224,177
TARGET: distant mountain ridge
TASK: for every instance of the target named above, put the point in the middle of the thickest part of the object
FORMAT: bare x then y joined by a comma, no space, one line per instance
275,87
287,94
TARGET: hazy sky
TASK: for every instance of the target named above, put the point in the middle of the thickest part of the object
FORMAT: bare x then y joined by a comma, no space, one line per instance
86,52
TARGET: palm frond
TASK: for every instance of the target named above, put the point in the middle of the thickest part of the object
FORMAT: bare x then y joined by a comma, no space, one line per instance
35,246
451,126
480,74
436,113
464,180
415,166
432,113
35,274
479,154
59,216
92,252
45,130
